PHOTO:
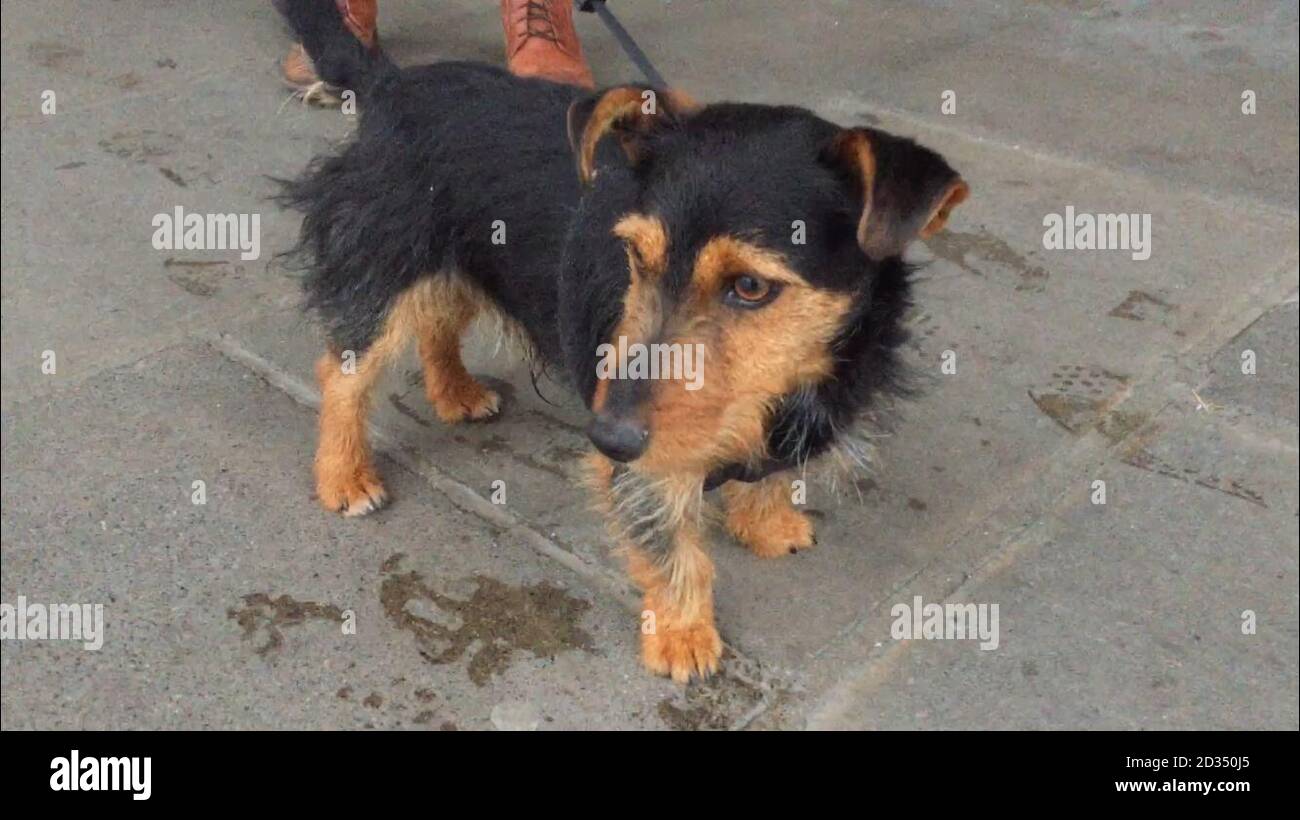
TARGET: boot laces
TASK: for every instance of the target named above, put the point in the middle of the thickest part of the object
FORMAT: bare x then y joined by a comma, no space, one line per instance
538,22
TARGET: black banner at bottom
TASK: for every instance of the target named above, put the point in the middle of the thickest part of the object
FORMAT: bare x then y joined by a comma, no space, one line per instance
214,770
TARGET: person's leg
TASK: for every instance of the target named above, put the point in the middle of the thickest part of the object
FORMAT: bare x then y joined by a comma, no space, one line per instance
542,42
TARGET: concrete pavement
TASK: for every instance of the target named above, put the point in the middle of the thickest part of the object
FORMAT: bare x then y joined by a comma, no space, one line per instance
1171,380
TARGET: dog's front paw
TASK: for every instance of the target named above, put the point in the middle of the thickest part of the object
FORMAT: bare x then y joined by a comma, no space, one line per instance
682,652
779,530
356,493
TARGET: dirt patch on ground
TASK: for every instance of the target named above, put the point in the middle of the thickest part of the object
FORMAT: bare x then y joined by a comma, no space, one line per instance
496,621
985,255
266,616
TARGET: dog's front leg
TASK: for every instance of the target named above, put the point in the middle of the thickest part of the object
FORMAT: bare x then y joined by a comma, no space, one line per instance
678,637
657,525
763,517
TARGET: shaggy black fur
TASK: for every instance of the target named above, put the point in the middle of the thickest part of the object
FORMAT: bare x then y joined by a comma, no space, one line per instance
444,151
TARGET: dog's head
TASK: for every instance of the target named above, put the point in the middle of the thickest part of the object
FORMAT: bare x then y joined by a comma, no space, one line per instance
733,285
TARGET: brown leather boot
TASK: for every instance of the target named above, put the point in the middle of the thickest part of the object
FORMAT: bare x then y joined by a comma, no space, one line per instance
361,17
542,42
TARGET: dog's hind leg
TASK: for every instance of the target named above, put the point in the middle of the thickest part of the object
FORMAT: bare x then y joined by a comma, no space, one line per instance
453,392
346,480
763,517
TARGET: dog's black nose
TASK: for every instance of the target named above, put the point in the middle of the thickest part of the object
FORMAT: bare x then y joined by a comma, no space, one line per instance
620,439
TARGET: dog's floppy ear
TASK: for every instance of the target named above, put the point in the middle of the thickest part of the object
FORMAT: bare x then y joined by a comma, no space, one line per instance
628,112
907,190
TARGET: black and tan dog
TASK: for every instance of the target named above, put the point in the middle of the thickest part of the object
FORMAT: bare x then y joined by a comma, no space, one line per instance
764,236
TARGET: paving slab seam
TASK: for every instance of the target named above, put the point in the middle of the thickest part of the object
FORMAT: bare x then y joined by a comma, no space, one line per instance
739,667
149,346
1150,394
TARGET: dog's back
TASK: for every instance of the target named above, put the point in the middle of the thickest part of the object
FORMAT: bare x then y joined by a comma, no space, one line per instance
456,167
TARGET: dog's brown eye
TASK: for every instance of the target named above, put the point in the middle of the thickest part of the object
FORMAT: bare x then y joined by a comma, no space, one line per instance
750,291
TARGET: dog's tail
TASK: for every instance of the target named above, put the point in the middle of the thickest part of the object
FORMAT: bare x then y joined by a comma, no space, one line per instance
339,57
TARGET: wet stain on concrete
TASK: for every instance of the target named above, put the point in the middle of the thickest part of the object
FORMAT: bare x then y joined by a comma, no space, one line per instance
266,616
1131,432
710,705
1140,306
431,710
687,719
1119,425
173,177
1144,459
200,278
127,81
194,285
497,620
387,711
1080,396
968,250
1071,412
916,504
866,486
